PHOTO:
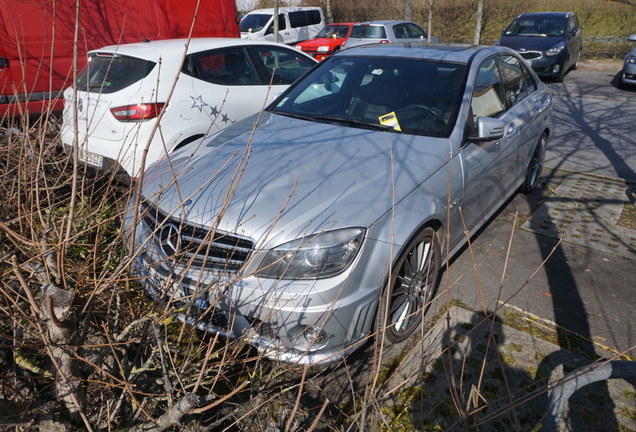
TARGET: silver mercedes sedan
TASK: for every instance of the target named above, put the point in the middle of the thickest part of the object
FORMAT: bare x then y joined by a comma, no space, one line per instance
326,218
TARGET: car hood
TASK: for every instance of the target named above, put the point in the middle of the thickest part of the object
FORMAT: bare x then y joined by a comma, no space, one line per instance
529,43
320,42
296,178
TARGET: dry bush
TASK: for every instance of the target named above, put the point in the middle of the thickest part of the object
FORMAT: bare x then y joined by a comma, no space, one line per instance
84,346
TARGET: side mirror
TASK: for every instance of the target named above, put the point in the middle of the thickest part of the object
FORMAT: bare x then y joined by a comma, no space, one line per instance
489,129
503,31
632,38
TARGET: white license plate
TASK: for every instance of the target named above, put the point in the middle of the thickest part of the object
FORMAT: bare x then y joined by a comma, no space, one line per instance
91,159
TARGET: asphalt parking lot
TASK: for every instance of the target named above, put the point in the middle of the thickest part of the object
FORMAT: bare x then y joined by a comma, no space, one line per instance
554,272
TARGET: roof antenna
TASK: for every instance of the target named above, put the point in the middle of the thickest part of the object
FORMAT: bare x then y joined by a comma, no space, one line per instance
145,40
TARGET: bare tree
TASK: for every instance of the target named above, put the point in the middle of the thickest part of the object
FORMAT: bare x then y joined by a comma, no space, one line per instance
408,10
479,23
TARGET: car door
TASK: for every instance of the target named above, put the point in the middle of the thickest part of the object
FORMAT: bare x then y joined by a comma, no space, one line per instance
527,105
575,41
232,83
487,164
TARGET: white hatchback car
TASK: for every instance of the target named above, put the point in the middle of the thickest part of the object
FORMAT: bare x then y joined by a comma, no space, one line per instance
122,91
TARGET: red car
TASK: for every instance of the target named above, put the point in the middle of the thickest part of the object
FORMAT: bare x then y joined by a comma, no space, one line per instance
327,42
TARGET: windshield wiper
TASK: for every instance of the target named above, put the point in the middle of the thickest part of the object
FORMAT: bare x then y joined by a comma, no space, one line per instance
338,119
354,121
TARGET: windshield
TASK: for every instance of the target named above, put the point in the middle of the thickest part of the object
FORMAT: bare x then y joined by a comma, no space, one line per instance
333,31
253,23
368,31
543,27
108,73
398,95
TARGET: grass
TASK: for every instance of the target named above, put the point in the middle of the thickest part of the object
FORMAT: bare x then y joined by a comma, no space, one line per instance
606,24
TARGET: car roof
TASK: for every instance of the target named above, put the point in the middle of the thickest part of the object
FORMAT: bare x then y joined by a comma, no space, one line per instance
545,14
285,8
382,22
454,53
174,47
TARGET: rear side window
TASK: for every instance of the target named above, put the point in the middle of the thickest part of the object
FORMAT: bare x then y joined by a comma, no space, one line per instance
231,66
304,18
108,73
367,31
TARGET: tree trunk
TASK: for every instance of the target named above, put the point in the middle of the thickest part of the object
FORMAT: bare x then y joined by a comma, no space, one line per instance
479,23
61,326
430,19
408,10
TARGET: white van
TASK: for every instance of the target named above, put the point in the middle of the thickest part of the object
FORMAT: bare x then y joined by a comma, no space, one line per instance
295,24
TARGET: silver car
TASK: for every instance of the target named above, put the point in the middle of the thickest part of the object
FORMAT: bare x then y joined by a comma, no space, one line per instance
324,220
387,31
628,73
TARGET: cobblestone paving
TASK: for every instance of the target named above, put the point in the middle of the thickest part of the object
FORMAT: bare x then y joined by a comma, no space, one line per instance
504,380
584,210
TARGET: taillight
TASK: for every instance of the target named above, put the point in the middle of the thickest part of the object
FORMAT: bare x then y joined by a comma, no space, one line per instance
384,41
137,112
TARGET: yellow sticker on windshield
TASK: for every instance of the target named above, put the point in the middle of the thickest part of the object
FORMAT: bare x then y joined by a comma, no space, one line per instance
390,119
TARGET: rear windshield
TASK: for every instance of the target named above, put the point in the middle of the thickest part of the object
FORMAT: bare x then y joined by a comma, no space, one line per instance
111,73
367,31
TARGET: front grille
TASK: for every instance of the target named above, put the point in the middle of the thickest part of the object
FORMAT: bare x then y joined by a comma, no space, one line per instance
530,55
210,316
193,245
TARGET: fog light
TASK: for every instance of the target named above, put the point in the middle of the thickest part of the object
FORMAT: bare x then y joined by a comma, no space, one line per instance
315,336
557,68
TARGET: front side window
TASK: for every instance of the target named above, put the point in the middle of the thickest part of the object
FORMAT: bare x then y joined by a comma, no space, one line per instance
416,31
515,83
488,96
108,73
282,25
230,66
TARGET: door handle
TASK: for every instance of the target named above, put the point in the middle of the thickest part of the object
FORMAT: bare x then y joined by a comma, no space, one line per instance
512,128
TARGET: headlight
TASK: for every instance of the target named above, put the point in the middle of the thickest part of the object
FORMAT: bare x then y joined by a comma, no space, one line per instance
323,48
315,256
631,59
556,49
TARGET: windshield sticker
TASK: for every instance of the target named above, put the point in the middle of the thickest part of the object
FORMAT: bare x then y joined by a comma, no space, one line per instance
390,119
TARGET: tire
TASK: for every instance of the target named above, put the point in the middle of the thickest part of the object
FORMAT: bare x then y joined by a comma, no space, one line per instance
535,166
561,75
413,282
577,62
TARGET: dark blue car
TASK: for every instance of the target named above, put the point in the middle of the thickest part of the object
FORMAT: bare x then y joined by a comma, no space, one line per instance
550,42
